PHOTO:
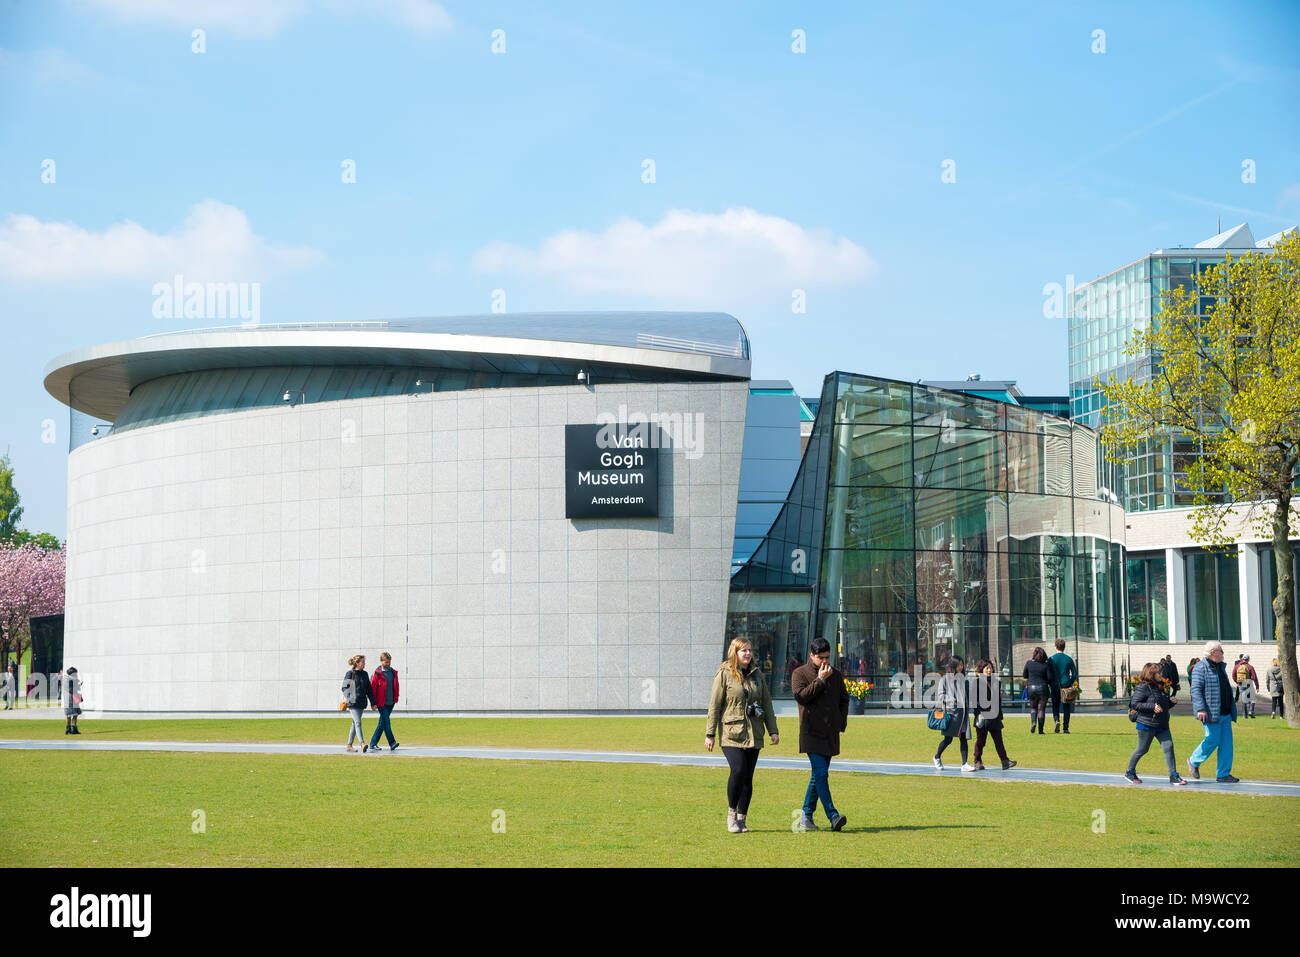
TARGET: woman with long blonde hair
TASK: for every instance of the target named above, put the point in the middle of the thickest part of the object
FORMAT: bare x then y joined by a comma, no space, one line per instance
741,703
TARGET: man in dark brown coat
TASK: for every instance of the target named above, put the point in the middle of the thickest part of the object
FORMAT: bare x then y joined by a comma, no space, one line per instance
823,715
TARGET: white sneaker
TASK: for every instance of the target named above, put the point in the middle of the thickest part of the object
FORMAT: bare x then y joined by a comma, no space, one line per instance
968,767
938,765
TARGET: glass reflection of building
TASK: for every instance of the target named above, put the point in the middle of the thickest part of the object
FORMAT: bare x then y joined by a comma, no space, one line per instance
924,522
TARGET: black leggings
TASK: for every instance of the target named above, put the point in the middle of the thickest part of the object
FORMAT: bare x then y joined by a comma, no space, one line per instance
740,786
1037,706
961,739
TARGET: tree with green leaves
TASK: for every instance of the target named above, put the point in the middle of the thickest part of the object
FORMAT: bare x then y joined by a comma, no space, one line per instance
10,509
1231,380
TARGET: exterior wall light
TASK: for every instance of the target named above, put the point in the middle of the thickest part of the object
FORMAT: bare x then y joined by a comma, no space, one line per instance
101,425
290,393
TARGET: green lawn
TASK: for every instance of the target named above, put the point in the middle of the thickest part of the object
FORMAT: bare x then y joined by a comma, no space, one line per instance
1265,750
271,810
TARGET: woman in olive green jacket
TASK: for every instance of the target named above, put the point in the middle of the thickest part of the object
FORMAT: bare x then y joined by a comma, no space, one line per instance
742,705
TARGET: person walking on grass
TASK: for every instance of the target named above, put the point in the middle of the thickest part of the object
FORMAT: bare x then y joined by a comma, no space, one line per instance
1066,674
70,689
823,717
1215,709
383,686
740,705
1152,700
1039,676
1273,677
356,694
954,697
987,704
1247,685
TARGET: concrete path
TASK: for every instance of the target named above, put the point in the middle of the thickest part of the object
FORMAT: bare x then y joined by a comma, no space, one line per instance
1156,778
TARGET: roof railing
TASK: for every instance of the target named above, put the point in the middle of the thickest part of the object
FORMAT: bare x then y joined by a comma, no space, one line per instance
691,345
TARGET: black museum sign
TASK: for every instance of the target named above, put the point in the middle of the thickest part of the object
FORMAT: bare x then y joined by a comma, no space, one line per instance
611,471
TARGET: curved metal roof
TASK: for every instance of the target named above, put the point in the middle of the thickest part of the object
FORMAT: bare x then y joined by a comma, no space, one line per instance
98,380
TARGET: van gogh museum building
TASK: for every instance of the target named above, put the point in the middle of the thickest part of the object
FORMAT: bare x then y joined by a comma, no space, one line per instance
560,512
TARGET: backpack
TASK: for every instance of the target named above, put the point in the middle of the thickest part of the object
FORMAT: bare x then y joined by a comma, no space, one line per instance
349,690
1243,672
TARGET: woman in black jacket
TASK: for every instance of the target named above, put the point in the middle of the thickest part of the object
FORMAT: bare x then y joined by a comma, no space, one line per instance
1152,703
988,714
356,695
1039,677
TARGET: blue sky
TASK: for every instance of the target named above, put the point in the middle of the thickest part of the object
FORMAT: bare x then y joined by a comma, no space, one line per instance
523,170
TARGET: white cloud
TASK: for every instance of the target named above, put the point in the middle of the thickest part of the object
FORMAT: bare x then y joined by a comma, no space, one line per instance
268,17
215,243
688,255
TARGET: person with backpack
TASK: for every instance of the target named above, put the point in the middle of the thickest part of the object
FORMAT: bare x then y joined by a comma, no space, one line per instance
1066,675
356,694
1039,675
383,684
1149,707
1247,685
1274,678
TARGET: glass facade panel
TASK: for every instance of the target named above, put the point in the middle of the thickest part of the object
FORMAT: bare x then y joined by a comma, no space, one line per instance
958,458
930,528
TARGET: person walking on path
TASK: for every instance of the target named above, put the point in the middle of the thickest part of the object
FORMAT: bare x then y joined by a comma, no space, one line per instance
1273,677
1039,675
1247,685
11,686
954,696
70,689
1152,700
1066,674
987,704
741,706
1191,666
384,688
823,717
356,694
1215,709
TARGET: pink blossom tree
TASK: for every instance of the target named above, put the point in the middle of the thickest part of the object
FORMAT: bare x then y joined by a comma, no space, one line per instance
31,585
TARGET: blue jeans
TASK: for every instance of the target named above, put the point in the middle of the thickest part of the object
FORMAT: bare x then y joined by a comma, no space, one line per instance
384,726
819,787
1217,735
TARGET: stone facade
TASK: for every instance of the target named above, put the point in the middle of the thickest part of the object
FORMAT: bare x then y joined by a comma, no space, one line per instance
235,562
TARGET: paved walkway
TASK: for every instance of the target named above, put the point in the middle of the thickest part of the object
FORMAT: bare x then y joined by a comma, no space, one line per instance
1156,778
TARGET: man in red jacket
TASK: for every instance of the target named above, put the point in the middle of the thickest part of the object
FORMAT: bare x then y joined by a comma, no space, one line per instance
384,685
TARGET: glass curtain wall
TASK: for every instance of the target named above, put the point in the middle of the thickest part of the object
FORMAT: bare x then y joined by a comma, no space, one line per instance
950,524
